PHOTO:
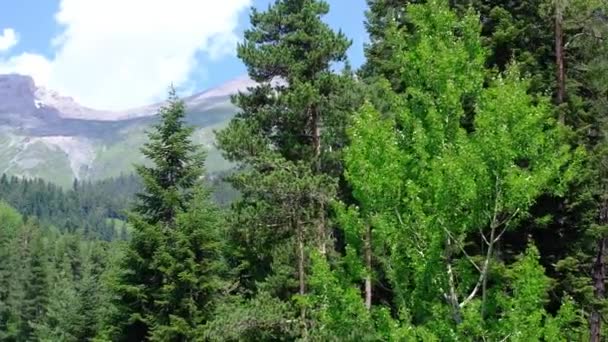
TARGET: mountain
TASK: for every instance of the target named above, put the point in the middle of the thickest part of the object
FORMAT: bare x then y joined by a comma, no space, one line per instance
48,135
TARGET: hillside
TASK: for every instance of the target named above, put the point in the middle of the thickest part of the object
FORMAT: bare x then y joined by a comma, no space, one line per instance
48,135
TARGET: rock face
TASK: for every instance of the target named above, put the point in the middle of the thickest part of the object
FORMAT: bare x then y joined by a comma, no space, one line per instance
46,134
17,94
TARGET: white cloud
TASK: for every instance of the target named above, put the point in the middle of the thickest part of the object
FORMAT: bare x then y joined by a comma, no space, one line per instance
28,64
115,54
8,39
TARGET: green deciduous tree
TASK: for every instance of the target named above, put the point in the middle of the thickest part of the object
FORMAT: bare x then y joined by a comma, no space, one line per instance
427,184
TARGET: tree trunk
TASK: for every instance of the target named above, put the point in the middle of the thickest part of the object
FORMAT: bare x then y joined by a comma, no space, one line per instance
368,267
301,277
559,57
301,274
322,232
316,136
598,275
452,296
316,144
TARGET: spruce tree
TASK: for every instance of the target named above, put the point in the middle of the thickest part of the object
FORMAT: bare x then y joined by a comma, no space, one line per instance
582,269
177,165
382,17
35,287
10,222
172,266
61,320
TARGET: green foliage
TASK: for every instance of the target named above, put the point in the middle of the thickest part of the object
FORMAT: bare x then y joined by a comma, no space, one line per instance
523,317
10,222
171,270
336,307
177,165
287,141
50,289
262,318
430,182
85,208
62,320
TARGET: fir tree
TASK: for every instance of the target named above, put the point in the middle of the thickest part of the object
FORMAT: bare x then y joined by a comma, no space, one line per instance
35,281
177,165
10,222
171,268
61,320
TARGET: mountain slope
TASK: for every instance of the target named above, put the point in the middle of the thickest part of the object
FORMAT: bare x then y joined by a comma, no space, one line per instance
44,134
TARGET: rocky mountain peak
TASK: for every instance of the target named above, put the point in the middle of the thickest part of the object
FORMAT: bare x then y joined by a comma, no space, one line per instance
17,93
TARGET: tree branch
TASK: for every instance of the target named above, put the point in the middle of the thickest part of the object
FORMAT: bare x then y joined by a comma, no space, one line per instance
462,250
419,239
492,241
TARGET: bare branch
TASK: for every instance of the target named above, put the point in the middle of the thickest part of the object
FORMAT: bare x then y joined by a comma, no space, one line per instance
483,236
509,219
468,257
419,239
232,287
496,204
506,225
453,295
484,271
506,338
486,264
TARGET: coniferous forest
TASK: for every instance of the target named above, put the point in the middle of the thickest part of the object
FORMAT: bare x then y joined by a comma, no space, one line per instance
454,188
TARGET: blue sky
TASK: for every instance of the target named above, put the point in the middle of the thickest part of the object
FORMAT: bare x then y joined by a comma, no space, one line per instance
346,15
123,53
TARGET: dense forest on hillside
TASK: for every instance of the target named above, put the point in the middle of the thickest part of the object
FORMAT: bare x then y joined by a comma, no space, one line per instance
95,210
454,188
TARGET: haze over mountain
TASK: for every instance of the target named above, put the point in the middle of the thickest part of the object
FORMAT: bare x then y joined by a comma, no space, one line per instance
49,135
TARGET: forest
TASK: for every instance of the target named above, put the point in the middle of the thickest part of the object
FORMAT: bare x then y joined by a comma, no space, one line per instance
453,188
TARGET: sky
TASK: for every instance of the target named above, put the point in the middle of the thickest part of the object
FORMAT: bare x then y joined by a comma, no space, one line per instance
118,54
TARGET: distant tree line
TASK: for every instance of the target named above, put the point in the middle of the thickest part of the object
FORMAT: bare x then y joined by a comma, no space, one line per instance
91,208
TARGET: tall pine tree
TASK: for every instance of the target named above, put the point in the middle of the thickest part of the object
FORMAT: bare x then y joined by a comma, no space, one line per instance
287,138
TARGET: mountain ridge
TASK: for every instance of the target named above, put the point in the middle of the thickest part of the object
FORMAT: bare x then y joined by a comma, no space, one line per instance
51,136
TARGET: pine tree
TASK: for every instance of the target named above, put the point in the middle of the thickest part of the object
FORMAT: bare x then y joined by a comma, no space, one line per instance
287,139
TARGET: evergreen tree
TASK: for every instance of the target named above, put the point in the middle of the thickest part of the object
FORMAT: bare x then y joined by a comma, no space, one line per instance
10,222
61,320
36,287
177,166
92,294
287,139
383,17
167,278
